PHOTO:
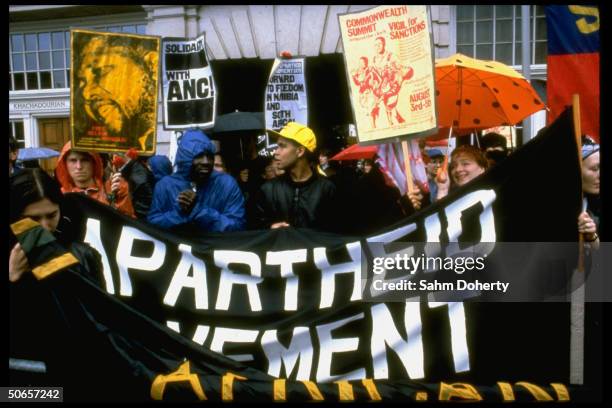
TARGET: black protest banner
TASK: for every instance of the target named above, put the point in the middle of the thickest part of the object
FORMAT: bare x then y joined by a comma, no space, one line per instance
188,86
113,91
281,315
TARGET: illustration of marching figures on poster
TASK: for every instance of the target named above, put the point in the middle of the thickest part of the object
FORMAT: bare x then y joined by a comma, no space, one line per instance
390,70
188,85
285,99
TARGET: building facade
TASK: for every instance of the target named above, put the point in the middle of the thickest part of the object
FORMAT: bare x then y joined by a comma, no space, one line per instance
39,49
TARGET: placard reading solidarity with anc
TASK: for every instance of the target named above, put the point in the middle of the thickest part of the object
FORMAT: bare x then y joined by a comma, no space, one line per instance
188,84
390,70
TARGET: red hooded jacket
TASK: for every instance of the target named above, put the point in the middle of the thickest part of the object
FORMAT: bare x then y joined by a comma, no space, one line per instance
98,191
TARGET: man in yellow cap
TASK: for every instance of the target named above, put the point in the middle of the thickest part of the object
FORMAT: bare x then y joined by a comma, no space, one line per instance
300,197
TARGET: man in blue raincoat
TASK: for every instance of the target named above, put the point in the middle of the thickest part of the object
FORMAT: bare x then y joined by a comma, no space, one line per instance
196,198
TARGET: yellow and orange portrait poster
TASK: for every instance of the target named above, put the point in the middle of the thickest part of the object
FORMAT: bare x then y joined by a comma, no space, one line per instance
389,62
113,91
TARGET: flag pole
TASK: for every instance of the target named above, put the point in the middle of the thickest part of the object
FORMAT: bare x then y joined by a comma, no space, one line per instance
578,135
407,166
577,295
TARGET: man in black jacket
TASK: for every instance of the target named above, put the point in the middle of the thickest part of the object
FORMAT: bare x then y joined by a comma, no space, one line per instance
300,197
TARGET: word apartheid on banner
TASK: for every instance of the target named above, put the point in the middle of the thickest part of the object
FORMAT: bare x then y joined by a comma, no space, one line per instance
298,315
389,63
188,85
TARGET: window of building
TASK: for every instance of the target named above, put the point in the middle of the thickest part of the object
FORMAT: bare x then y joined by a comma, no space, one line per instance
494,33
16,131
41,60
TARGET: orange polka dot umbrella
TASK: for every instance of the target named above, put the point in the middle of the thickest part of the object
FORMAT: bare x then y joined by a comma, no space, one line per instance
474,94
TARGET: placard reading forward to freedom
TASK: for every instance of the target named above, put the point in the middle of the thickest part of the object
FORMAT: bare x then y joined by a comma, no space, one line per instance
390,70
188,84
286,94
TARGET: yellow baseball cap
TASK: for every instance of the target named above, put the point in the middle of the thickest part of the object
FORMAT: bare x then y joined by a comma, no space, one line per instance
298,133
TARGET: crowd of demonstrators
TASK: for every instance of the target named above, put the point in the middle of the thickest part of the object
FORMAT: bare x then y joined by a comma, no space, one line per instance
588,220
196,199
82,172
287,190
300,197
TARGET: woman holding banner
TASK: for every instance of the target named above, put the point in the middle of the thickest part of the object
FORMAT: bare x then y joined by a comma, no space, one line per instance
42,348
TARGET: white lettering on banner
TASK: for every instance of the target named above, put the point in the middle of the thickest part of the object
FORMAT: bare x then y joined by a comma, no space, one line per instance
384,333
93,238
329,272
229,278
126,261
487,222
300,348
181,279
456,317
379,252
224,335
295,356
329,345
174,325
433,229
200,334
286,259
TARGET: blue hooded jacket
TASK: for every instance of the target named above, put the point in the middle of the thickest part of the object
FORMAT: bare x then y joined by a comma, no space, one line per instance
160,166
219,204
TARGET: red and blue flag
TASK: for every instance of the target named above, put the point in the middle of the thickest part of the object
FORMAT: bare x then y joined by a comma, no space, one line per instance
573,62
